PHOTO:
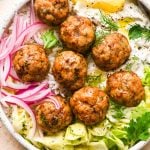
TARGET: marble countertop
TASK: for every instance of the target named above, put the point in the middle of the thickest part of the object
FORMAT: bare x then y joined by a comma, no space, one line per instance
7,142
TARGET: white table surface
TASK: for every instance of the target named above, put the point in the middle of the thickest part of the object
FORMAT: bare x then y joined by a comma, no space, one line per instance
7,142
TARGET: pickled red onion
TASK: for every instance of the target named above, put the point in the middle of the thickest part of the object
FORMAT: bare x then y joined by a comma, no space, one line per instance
38,96
16,85
26,93
31,92
29,32
54,101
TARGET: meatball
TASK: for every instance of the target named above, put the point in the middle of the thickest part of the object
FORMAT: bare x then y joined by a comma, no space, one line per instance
90,105
52,12
125,88
112,52
31,63
77,33
52,119
70,70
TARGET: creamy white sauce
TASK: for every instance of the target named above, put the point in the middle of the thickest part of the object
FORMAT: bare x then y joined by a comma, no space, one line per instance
140,47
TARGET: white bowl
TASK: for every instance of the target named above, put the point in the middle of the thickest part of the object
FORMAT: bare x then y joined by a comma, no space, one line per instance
10,7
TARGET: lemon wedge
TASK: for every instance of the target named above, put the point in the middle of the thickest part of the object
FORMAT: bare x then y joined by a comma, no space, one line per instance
106,5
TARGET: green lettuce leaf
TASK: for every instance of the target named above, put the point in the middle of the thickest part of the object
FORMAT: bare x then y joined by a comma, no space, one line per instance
49,38
113,141
146,79
139,110
99,131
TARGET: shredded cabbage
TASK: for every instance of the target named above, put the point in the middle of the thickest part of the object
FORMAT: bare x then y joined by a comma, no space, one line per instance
21,121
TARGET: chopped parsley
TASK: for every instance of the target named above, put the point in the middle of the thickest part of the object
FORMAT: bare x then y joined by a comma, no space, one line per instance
93,80
137,31
49,38
139,129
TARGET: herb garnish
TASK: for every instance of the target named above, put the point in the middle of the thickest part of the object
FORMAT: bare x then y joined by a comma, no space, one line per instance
118,109
109,25
93,80
137,31
49,38
139,129
108,22
100,35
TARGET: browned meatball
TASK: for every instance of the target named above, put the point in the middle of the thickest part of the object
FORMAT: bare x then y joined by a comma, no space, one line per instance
70,69
52,12
31,63
51,118
125,88
112,52
77,33
90,105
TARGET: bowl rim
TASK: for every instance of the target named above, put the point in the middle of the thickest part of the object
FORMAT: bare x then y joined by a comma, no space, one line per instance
5,120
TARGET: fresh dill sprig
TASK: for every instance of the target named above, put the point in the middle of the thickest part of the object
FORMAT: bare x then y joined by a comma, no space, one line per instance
100,35
109,25
137,31
108,22
118,110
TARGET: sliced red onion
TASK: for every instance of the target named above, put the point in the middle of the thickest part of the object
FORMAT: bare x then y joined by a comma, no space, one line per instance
38,40
2,81
30,92
20,103
39,96
30,31
17,85
4,70
13,74
32,13
10,42
21,24
1,96
7,65
14,42
16,49
54,101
